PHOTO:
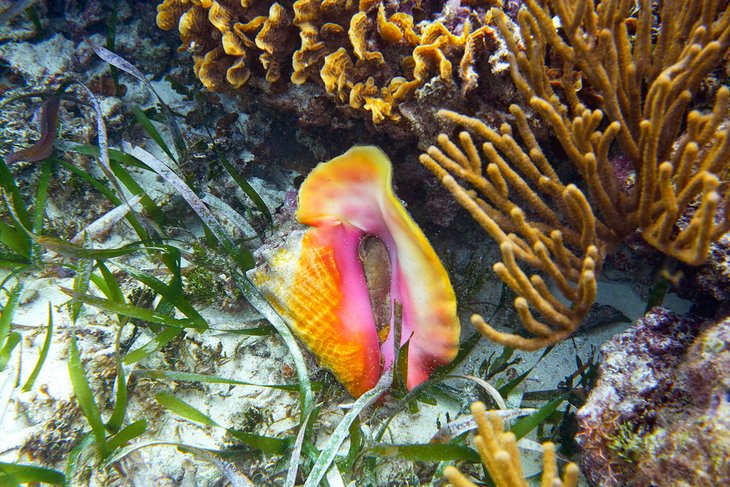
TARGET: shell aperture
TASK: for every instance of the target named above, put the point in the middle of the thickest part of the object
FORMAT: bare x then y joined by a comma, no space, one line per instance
335,282
376,267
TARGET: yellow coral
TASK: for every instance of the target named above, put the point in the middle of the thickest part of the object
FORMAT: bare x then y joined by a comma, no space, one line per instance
389,30
212,71
340,43
193,26
567,249
359,29
306,59
335,71
169,13
273,33
677,156
220,16
498,452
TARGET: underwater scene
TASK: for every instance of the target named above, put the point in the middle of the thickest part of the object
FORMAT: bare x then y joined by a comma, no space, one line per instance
365,243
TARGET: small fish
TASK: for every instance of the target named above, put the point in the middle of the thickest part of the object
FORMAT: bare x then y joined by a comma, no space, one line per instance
48,127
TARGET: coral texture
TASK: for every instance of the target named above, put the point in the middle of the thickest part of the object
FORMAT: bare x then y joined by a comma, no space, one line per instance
659,414
710,279
499,454
644,86
369,55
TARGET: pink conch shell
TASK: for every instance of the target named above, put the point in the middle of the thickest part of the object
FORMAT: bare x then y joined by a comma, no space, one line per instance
317,282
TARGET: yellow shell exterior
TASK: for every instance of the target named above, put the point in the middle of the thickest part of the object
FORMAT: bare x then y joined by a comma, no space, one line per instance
302,282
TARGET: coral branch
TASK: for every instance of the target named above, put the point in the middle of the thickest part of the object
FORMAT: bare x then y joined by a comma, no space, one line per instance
499,454
567,252
644,88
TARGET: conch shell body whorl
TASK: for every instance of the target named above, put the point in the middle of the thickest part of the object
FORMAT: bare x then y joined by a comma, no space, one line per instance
317,282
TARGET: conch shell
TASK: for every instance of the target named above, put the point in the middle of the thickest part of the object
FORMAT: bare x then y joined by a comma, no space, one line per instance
336,281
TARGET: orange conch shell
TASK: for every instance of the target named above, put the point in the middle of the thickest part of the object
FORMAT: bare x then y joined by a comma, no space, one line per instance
317,283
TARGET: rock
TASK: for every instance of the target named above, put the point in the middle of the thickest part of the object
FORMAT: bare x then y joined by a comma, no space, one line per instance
711,279
660,412
42,63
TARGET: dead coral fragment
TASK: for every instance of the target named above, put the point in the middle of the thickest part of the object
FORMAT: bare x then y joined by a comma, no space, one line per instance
499,454
677,157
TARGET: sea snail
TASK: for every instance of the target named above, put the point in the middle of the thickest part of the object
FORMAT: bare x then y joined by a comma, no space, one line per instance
336,280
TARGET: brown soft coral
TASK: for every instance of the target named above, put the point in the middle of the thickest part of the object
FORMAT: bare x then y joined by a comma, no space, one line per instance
426,51
369,55
226,37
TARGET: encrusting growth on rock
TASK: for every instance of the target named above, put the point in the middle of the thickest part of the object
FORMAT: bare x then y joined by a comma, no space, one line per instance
643,73
499,454
369,55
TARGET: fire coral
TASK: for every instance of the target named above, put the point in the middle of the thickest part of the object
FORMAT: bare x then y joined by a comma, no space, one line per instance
368,55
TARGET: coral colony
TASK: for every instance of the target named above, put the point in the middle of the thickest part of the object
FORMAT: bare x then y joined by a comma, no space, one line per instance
645,85
330,42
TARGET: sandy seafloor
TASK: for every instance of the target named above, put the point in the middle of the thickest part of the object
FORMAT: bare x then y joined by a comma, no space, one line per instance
40,426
